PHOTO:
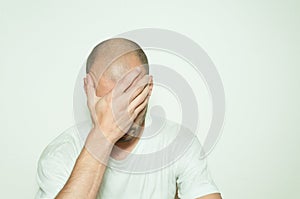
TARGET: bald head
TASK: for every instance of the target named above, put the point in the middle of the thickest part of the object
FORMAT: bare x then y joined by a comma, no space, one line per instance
112,58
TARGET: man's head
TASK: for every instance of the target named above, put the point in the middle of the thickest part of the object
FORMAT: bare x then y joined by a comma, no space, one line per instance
108,62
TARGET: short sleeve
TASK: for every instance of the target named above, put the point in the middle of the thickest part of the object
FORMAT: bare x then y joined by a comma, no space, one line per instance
193,178
55,165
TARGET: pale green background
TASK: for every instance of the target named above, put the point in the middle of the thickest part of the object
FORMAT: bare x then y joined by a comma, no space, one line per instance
254,44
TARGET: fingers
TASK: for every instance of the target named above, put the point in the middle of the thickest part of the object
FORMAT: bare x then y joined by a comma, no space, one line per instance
136,105
135,89
140,107
127,80
124,123
139,100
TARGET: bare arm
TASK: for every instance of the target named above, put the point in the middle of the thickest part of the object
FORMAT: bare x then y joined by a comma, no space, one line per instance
211,196
85,179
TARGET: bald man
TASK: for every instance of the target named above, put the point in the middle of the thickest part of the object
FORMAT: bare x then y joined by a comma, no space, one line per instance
118,88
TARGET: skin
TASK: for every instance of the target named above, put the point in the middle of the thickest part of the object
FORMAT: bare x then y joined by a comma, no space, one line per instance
106,83
131,95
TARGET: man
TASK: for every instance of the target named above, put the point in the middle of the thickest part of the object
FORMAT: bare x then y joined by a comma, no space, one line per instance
118,87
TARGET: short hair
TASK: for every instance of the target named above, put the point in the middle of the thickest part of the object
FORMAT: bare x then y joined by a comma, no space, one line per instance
123,45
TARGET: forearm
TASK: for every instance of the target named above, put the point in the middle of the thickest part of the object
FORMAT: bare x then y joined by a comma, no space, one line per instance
87,174
212,196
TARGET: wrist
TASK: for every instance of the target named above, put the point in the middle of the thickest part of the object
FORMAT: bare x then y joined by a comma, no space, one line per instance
98,145
108,134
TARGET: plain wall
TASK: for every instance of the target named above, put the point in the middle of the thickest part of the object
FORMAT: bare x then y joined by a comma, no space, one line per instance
254,45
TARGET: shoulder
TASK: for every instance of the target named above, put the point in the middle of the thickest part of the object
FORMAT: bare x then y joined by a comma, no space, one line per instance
67,143
63,151
56,162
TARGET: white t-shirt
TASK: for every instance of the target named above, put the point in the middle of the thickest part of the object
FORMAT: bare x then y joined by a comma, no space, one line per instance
151,178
